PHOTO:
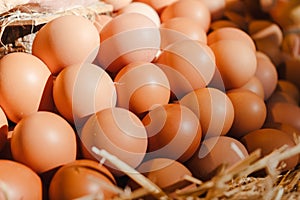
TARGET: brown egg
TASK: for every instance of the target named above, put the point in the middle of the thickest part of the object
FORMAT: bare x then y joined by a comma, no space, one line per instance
61,43
141,86
260,139
181,28
173,132
267,74
284,113
214,152
216,8
188,64
119,43
288,129
213,108
188,8
292,71
163,172
118,4
289,88
19,182
249,112
229,64
142,8
81,90
230,33
222,24
25,85
283,97
158,5
81,178
43,141
255,85
118,131
3,129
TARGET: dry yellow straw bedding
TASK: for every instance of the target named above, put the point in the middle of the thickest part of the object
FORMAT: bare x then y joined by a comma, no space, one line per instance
19,24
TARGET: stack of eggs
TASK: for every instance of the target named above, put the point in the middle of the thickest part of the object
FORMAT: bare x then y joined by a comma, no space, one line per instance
172,88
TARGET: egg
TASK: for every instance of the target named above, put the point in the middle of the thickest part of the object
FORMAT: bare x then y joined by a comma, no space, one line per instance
25,85
230,33
119,43
142,8
3,129
188,8
101,20
260,139
288,88
188,64
213,153
79,179
118,4
267,74
43,141
222,24
216,8
19,182
81,90
249,112
213,108
173,132
164,172
118,131
141,86
284,113
254,85
229,64
278,96
181,28
61,43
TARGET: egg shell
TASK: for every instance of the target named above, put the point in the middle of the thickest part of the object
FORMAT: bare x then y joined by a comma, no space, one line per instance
142,8
181,28
213,152
292,71
229,64
118,4
254,85
61,43
158,5
119,43
230,33
216,8
222,24
260,139
25,85
81,90
174,132
283,97
101,20
249,112
213,108
118,131
289,88
188,8
43,141
19,181
3,129
81,178
164,172
284,113
140,86
267,74
188,64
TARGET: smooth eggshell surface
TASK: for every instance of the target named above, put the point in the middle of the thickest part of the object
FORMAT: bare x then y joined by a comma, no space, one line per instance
19,182
65,41
118,131
43,141
141,86
81,90
214,152
174,132
25,85
3,129
80,178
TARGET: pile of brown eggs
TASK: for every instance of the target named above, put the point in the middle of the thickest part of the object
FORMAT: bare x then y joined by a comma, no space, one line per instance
172,88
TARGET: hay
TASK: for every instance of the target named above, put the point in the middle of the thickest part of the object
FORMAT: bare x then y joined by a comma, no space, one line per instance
19,24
